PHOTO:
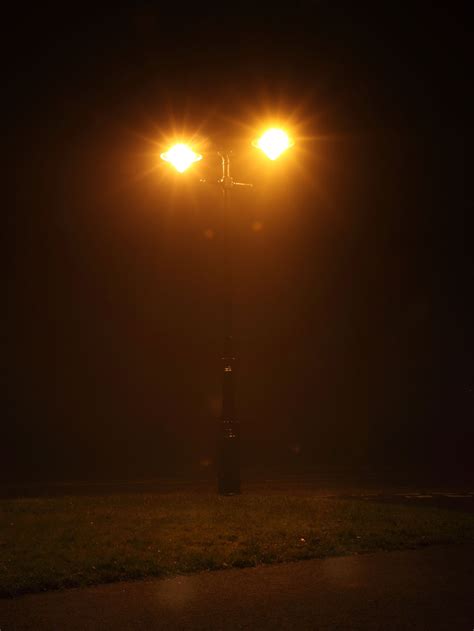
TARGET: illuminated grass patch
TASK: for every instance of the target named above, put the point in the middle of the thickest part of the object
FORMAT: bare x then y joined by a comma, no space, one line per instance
74,541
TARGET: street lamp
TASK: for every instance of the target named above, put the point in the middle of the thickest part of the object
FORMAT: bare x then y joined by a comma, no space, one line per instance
181,156
273,142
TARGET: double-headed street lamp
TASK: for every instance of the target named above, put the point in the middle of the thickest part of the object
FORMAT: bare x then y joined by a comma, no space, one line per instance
273,143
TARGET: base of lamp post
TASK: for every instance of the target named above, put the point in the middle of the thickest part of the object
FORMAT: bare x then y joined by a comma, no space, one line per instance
228,475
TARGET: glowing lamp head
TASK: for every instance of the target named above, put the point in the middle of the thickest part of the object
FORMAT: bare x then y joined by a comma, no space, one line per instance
181,157
273,143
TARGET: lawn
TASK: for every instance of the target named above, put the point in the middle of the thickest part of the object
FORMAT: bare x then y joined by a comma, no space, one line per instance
51,543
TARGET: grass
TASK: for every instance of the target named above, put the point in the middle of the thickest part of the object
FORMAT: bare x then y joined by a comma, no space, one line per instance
54,543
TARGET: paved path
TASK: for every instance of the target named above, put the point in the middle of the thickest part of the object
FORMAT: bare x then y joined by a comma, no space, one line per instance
426,589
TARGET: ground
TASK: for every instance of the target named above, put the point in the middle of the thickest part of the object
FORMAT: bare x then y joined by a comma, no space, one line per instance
77,540
413,589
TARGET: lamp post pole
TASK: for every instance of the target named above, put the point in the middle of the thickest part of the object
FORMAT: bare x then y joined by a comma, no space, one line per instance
228,457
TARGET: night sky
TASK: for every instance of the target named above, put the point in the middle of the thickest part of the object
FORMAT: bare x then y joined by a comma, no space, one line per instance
353,259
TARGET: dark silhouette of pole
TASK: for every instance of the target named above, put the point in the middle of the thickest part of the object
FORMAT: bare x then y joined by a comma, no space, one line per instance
229,431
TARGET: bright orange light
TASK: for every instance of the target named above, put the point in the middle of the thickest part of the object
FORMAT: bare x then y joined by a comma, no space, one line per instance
181,157
273,142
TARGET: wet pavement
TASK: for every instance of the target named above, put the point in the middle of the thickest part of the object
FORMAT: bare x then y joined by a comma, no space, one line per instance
432,588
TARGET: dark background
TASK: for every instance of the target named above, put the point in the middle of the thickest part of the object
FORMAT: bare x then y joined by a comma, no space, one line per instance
353,258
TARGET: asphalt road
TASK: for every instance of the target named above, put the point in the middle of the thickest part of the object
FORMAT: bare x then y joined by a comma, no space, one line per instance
427,589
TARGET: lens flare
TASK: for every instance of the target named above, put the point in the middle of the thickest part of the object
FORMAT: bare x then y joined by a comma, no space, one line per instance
181,157
273,142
